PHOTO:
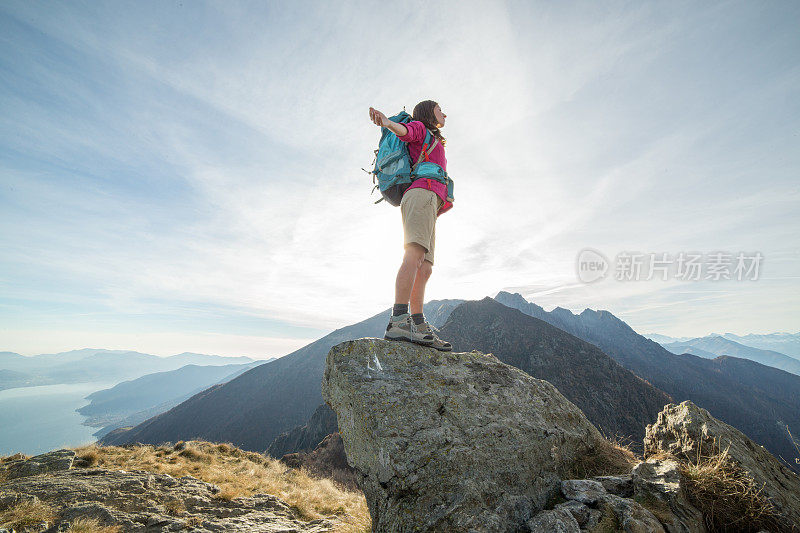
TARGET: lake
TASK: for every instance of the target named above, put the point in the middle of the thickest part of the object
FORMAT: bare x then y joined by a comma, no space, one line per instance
35,420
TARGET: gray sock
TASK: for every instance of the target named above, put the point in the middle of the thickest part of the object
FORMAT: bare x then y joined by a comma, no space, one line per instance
418,318
399,309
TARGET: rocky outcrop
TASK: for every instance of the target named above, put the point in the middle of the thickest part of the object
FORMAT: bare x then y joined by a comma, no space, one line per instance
451,441
142,501
463,442
39,464
306,437
588,502
689,433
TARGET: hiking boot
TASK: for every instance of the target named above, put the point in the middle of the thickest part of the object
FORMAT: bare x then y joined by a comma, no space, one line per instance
439,344
402,328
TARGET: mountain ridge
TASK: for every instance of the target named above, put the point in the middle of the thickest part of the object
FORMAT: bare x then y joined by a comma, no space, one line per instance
719,345
302,370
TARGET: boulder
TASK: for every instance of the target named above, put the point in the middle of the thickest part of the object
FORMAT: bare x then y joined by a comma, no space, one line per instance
658,484
586,491
619,485
554,521
586,516
631,515
39,464
689,432
451,441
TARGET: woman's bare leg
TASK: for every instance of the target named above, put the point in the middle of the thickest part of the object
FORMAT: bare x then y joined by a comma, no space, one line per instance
418,290
406,276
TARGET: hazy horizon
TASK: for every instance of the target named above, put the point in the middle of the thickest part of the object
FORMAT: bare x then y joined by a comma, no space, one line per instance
256,357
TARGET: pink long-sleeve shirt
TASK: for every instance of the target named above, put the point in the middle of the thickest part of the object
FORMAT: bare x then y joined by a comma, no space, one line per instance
416,139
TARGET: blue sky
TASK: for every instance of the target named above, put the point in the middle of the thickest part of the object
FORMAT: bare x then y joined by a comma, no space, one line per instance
185,176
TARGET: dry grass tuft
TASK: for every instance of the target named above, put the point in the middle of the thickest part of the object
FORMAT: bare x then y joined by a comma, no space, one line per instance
225,447
194,521
727,495
175,507
610,458
91,525
240,473
27,513
228,493
354,524
662,455
193,454
89,457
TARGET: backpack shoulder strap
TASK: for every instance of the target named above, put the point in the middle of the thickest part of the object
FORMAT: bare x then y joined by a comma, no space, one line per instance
425,153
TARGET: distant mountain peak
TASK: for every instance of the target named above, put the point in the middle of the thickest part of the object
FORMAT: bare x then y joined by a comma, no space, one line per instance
517,297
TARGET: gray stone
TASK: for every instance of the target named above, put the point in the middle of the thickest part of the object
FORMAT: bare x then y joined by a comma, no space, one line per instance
595,515
632,517
580,511
658,485
619,485
554,521
88,510
40,464
585,491
451,441
688,432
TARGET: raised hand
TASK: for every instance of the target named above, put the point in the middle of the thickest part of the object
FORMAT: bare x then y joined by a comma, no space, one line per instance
377,117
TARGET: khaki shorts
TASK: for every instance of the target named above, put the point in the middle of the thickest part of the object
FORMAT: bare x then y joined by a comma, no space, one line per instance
419,208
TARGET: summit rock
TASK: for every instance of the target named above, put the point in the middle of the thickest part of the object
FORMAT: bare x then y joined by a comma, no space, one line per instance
456,441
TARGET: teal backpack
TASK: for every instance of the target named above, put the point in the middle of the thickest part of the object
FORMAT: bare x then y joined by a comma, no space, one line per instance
393,173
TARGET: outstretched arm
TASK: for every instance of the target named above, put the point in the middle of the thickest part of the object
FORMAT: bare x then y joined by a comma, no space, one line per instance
380,119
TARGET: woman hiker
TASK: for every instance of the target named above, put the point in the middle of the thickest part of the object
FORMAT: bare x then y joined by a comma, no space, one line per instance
422,203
